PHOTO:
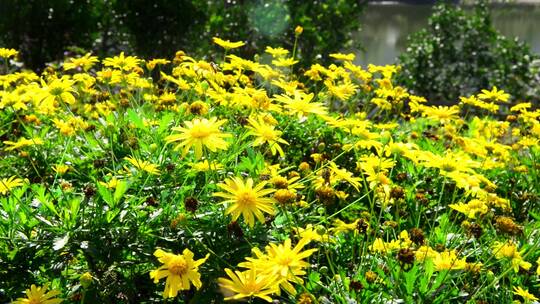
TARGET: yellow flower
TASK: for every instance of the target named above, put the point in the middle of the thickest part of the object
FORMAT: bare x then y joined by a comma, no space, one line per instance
122,62
158,61
344,57
448,260
6,184
206,166
276,52
494,95
312,234
301,104
282,260
266,133
246,200
143,165
58,90
284,62
23,142
472,208
111,184
39,295
85,62
60,169
227,44
7,53
340,226
200,133
179,269
298,30
248,284
441,113
524,294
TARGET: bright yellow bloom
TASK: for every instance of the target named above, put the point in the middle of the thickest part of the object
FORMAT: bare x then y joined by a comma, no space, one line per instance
200,133
509,251
85,62
23,142
227,44
6,184
122,62
284,62
143,165
494,95
276,52
60,168
246,200
111,184
301,104
448,260
341,227
472,208
7,53
282,260
39,295
524,294
158,61
312,234
179,269
344,57
266,133
205,166
248,284
58,90
441,113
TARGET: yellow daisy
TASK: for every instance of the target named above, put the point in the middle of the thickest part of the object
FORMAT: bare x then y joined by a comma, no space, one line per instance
181,270
6,184
39,295
227,44
246,200
200,133
248,284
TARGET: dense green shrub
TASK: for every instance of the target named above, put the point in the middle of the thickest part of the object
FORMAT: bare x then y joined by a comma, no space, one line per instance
460,53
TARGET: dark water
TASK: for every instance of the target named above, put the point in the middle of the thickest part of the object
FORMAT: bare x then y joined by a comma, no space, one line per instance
385,28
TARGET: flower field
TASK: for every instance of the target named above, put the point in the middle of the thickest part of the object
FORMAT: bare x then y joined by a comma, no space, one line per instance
183,180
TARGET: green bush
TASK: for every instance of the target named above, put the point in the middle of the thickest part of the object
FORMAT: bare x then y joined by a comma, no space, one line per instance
460,53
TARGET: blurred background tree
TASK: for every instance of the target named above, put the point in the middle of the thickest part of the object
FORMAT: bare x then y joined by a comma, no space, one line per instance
43,30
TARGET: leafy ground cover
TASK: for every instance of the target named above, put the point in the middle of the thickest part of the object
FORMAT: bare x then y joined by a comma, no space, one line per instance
189,181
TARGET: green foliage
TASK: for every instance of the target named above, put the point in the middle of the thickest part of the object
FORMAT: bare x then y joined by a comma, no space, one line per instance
460,53
43,30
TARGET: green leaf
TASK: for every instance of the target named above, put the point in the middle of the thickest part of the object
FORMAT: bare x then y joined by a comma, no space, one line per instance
135,119
106,195
120,190
164,122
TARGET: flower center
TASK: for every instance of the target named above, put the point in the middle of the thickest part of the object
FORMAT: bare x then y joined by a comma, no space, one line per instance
268,134
178,266
200,132
246,199
448,167
55,91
